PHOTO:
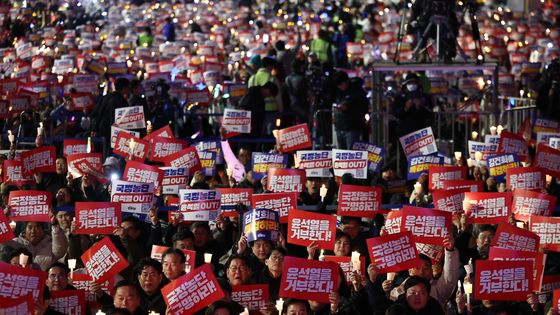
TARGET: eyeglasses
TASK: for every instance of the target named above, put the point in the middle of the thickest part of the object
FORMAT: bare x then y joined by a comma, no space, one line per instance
276,258
53,276
238,268
148,275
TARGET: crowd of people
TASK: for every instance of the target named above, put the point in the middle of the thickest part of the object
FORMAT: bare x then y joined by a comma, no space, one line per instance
68,66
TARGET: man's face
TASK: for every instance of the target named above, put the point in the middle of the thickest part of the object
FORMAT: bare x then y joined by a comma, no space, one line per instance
261,249
388,175
238,272
61,167
130,230
64,219
313,185
275,262
34,232
173,268
57,279
244,156
297,309
201,237
184,244
483,241
149,279
423,270
417,297
126,297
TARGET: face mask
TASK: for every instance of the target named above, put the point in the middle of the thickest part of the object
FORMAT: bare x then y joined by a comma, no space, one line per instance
412,87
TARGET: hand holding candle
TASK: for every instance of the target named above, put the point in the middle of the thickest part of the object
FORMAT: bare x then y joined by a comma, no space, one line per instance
279,305
40,130
72,266
11,137
356,261
23,260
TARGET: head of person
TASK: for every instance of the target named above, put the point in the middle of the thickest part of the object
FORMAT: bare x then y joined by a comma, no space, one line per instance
57,277
64,218
313,185
269,89
268,63
122,85
388,174
280,45
298,66
244,155
173,261
14,258
132,226
183,239
238,270
61,166
342,245
34,232
126,295
341,80
424,268
261,249
275,261
149,273
5,190
111,166
202,234
136,87
64,196
296,307
220,308
351,226
417,292
411,83
484,236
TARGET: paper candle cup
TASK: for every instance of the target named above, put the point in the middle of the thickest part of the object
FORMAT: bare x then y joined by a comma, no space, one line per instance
207,258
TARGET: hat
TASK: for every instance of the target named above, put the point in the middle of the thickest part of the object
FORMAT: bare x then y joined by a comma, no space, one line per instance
112,161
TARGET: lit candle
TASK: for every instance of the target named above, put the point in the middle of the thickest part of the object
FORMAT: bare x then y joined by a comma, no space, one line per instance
11,137
207,258
458,155
459,285
500,129
88,149
131,146
468,290
60,79
323,192
153,313
356,261
391,276
418,187
72,266
478,156
23,260
520,225
40,130
469,163
13,225
474,135
493,130
99,313
279,305
322,255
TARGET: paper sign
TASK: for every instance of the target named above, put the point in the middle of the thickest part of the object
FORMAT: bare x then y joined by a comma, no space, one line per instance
427,226
421,164
185,158
310,278
18,306
131,117
554,143
358,201
262,162
254,297
95,159
449,200
394,222
508,236
231,197
16,282
513,143
115,133
537,259
68,302
472,185
163,132
134,197
6,232
103,261
550,283
13,174
207,163
393,253
420,142
544,137
261,224
141,173
487,208
163,147
174,179
315,163
30,205
97,217
192,292
375,154
548,229
347,266
526,203
307,227
438,174
499,164
526,178
294,138
74,146
349,161
555,299
40,160
434,252
503,280
199,200
237,120
130,147
212,146
548,159
285,180
279,202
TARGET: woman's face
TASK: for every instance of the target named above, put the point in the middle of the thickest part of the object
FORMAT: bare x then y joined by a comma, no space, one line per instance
417,297
342,246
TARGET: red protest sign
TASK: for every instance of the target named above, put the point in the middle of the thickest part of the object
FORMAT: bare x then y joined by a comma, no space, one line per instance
103,261
487,208
285,180
294,138
393,222
254,297
526,203
30,205
6,232
393,253
83,282
438,174
347,266
307,227
434,252
426,225
550,283
163,132
131,147
141,173
503,280
163,147
548,229
74,146
358,201
310,278
508,236
185,158
40,160
513,143
555,299
280,202
472,185
192,292
528,178
68,302
16,281
449,200
13,174
538,260
19,306
548,159
97,217
95,159
82,101
231,197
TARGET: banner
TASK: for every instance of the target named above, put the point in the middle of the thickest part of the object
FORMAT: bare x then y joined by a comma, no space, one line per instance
548,229
254,297
30,205
16,282
549,159
359,201
163,132
261,224
97,217
285,180
185,158
262,162
68,302
503,280
40,160
115,131
393,253
18,306
527,203
192,291
420,164
347,266
131,117
349,161
208,162
438,174
449,200
174,179
420,142
434,252
315,163
471,185
74,146
513,143
499,164
310,278
487,208
279,202
73,161
375,154
130,147
294,138
427,226
134,197
163,147
6,232
236,120
231,197
13,174
508,236
527,178
141,173
306,227
537,259
103,261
